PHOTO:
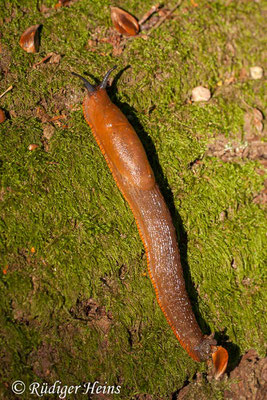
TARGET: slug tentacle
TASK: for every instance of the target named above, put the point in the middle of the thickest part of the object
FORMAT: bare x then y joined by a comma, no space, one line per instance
88,85
104,82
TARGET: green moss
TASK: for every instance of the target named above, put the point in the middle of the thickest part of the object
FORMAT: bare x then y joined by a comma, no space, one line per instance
64,202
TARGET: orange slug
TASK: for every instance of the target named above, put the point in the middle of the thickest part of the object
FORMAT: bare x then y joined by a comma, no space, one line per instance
128,163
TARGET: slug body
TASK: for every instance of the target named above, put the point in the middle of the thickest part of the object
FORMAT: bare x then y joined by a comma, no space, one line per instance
128,163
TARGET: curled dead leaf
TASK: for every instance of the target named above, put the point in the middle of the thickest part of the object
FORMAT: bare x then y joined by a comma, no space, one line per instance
253,124
48,131
33,147
2,116
220,360
124,22
30,39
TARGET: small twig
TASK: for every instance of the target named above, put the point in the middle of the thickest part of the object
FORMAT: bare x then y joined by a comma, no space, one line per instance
57,117
149,13
8,89
49,55
165,17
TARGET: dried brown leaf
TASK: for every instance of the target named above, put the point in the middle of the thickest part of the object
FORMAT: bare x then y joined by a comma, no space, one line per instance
253,124
48,131
33,146
124,22
55,58
2,116
30,39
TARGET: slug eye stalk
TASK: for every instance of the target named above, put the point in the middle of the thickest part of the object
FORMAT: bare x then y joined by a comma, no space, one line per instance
102,85
88,85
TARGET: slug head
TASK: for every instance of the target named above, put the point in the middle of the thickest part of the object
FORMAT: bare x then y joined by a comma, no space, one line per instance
103,84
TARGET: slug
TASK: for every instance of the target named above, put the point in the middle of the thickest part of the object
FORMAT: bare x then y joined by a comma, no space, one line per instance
128,163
